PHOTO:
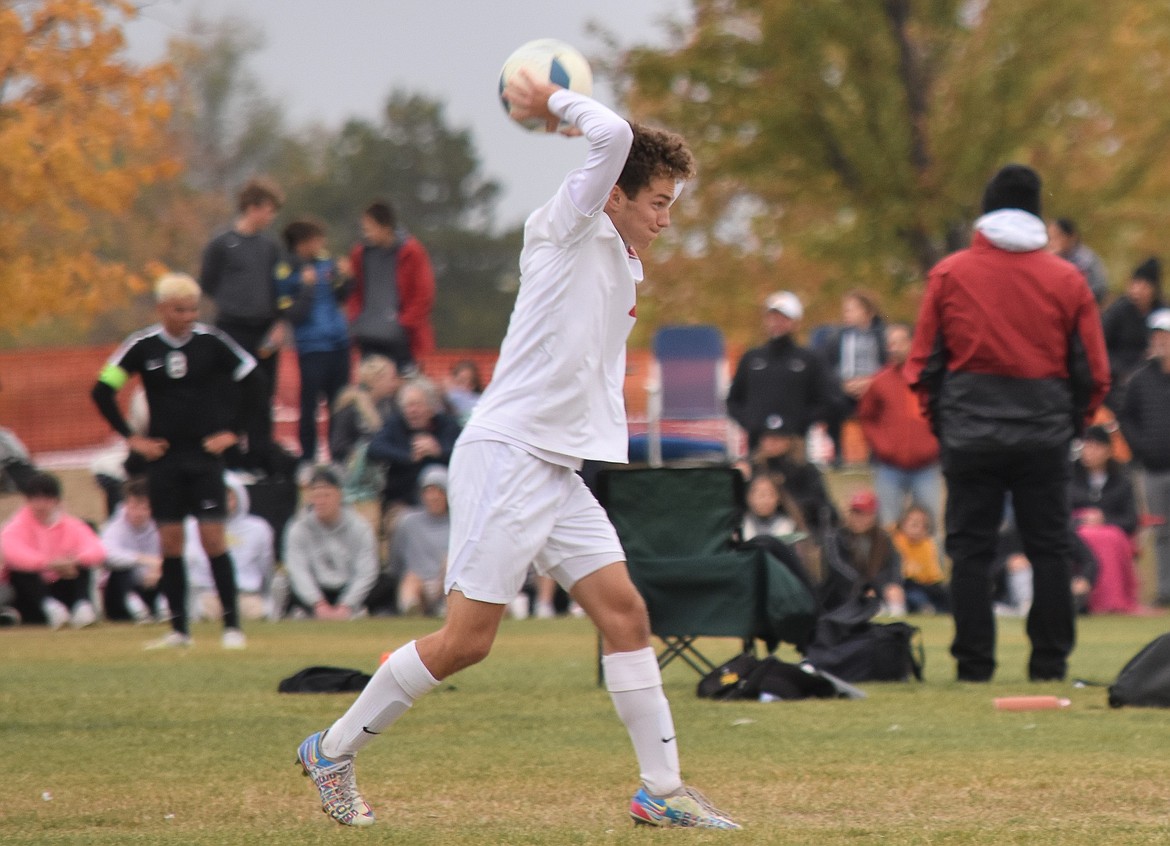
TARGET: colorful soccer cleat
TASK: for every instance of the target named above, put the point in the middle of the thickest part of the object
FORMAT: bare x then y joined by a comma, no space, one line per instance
336,783
684,808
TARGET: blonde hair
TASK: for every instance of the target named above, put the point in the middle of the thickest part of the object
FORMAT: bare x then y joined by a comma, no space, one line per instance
373,366
174,286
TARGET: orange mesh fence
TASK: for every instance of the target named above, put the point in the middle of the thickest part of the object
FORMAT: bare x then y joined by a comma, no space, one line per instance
44,393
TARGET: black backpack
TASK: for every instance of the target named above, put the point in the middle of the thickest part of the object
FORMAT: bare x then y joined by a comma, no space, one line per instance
749,677
324,680
851,647
1145,680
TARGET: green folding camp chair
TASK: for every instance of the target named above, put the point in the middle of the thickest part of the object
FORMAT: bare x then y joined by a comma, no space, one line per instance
680,528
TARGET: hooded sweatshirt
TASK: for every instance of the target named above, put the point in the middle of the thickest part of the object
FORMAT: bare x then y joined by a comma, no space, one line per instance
331,557
28,545
249,540
1008,352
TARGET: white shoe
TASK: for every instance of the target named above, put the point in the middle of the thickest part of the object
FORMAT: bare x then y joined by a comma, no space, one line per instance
233,639
55,612
518,607
137,608
545,611
171,640
83,615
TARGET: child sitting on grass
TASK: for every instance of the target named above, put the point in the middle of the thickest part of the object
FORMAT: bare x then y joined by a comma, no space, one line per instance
922,573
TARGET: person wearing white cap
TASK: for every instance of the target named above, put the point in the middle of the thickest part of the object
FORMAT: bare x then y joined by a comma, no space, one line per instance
418,551
780,382
1145,423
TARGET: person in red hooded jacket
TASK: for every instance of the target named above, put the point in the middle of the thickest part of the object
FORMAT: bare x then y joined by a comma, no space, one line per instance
904,450
1010,361
389,308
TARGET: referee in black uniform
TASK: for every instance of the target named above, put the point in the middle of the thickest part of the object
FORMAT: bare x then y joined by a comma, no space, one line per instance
187,371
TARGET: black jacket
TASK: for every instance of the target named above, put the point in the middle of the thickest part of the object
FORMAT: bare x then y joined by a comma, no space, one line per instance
1145,416
782,381
1115,499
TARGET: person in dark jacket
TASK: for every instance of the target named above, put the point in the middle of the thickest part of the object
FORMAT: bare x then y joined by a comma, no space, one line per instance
1010,362
780,383
418,435
1105,514
1126,334
310,287
1145,422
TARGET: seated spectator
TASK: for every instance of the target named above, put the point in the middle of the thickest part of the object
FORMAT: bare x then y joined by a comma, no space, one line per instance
771,510
49,557
310,288
780,452
16,465
1012,572
250,542
330,553
922,572
861,560
417,436
362,409
1104,511
360,413
133,559
464,387
418,553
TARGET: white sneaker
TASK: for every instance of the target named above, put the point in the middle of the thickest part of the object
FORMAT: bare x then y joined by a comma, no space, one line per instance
137,608
55,612
518,607
171,640
545,611
83,615
234,639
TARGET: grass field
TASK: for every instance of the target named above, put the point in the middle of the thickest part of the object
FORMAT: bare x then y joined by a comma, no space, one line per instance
107,744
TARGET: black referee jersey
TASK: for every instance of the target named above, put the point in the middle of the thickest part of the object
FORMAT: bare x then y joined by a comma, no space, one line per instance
191,385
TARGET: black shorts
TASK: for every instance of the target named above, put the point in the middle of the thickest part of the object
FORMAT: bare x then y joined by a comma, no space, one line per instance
187,483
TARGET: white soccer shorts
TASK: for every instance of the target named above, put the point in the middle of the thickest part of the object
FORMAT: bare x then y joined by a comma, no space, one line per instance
509,510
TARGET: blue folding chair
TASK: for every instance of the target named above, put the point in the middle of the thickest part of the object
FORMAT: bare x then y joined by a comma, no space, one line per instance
688,384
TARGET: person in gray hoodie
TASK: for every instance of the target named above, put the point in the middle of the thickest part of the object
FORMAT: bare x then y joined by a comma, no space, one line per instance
329,553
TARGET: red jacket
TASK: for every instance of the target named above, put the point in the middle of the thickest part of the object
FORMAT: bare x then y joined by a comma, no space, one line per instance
416,293
895,428
1008,350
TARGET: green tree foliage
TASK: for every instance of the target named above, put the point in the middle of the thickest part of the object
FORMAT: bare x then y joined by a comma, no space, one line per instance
846,143
227,126
430,173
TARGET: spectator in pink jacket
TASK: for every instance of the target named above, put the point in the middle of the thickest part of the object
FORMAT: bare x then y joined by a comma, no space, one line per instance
49,557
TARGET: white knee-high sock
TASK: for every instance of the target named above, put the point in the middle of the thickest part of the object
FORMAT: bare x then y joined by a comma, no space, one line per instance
402,679
634,683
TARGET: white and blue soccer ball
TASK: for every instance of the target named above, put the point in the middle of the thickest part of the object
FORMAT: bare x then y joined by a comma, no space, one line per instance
551,59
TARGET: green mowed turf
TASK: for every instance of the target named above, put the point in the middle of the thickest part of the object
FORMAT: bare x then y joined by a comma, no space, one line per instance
107,744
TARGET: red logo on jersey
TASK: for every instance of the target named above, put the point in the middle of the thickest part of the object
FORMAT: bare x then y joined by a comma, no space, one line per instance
634,311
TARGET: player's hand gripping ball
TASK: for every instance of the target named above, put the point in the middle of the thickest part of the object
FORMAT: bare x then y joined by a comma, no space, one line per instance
547,58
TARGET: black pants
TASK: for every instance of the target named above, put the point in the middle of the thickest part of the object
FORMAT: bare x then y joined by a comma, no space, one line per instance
31,590
250,335
119,585
976,486
323,375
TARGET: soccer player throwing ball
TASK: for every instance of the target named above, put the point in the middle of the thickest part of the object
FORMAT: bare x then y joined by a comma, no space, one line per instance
187,370
555,400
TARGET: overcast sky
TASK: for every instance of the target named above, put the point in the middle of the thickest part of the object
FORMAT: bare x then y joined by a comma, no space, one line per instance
328,60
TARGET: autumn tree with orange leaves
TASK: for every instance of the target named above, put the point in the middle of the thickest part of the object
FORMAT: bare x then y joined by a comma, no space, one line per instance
83,131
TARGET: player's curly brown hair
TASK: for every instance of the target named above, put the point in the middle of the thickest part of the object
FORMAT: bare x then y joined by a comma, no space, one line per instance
654,153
